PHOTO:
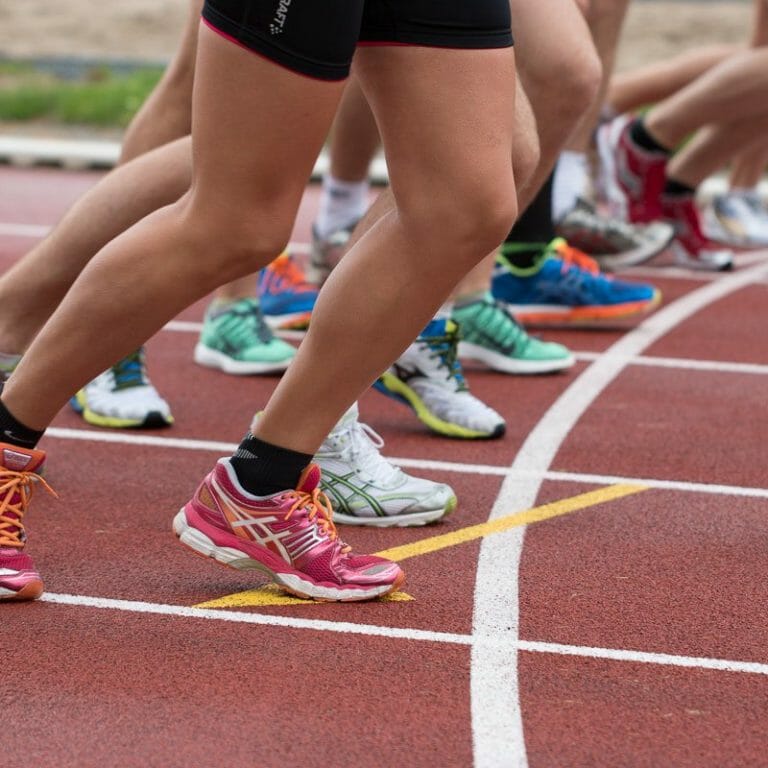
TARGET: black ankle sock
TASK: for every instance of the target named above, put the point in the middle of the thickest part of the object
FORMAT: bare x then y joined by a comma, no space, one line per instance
14,432
642,138
533,230
263,468
674,188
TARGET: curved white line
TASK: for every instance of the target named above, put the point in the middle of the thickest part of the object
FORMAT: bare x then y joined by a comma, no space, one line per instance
497,727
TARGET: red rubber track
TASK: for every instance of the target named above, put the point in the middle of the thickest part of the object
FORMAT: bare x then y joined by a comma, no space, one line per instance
666,571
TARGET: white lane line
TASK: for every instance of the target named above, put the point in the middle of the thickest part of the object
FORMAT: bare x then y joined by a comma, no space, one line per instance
191,444
682,363
495,700
665,659
396,633
24,230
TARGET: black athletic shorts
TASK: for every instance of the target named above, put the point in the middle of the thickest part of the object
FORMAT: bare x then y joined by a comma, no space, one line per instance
318,37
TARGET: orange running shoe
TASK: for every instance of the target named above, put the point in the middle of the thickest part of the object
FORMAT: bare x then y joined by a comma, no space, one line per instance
285,296
19,467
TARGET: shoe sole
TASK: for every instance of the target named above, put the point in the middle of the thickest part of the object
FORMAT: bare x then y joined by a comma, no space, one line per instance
210,358
391,386
152,420
683,260
501,362
409,520
292,321
613,262
551,315
32,590
292,582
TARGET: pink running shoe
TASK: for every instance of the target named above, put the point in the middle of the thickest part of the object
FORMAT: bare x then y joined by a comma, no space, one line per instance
19,579
691,247
633,177
289,535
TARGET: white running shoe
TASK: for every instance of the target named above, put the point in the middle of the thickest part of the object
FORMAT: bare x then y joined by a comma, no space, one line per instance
123,397
738,218
365,489
428,378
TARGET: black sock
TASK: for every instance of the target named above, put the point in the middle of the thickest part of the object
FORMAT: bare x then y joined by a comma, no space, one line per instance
674,188
14,432
642,138
533,230
264,469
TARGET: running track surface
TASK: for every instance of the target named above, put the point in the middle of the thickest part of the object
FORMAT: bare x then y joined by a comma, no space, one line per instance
630,632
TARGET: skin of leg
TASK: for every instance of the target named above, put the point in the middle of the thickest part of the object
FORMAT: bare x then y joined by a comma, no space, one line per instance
443,168
244,162
713,147
630,91
166,115
32,289
735,88
548,69
525,159
749,166
354,137
605,19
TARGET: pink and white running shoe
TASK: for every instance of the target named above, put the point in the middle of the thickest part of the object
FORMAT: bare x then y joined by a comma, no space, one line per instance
290,536
19,579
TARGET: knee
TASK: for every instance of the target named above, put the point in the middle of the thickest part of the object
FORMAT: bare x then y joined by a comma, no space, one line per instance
233,242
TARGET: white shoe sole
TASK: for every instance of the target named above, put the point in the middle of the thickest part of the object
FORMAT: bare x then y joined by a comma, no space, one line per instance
210,358
505,364
398,521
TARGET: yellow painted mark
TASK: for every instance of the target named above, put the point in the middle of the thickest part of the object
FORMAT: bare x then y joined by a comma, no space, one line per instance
534,515
271,595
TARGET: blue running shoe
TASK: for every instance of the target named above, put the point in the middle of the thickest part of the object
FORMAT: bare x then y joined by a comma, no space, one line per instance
285,296
565,286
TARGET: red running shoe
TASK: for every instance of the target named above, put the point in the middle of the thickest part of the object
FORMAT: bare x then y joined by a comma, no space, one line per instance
290,536
633,177
691,247
19,579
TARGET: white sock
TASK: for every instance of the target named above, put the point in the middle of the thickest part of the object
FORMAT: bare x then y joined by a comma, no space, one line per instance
8,363
445,311
342,203
571,182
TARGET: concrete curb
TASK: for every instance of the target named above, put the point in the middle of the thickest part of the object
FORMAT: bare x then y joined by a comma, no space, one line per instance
99,155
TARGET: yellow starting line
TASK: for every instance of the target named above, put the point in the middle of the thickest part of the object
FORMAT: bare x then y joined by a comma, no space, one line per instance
271,595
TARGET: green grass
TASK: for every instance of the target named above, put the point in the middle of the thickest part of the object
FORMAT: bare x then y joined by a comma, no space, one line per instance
101,98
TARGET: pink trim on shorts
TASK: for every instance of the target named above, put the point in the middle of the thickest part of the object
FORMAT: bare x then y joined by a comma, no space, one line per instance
261,55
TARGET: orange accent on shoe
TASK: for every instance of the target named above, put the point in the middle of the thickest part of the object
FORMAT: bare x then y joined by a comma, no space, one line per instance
11,484
589,313
573,256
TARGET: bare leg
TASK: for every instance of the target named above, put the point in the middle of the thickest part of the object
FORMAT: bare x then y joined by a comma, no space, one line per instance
474,190
629,91
749,166
181,252
32,289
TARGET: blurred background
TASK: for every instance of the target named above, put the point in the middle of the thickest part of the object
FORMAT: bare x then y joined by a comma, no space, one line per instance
78,68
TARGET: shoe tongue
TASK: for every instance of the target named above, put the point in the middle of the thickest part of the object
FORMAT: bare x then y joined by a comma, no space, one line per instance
309,480
20,459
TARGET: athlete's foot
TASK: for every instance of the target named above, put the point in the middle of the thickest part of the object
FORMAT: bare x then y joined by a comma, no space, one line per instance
236,339
428,378
491,334
738,218
326,253
287,298
691,247
566,287
19,468
289,536
123,397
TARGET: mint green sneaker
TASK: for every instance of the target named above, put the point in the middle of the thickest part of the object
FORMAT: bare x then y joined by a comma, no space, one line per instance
236,339
489,333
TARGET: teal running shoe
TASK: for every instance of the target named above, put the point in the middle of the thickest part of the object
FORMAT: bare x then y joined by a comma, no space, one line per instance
565,287
491,334
236,339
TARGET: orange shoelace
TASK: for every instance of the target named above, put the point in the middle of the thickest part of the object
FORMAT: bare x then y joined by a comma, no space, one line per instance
573,256
287,269
11,484
317,505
